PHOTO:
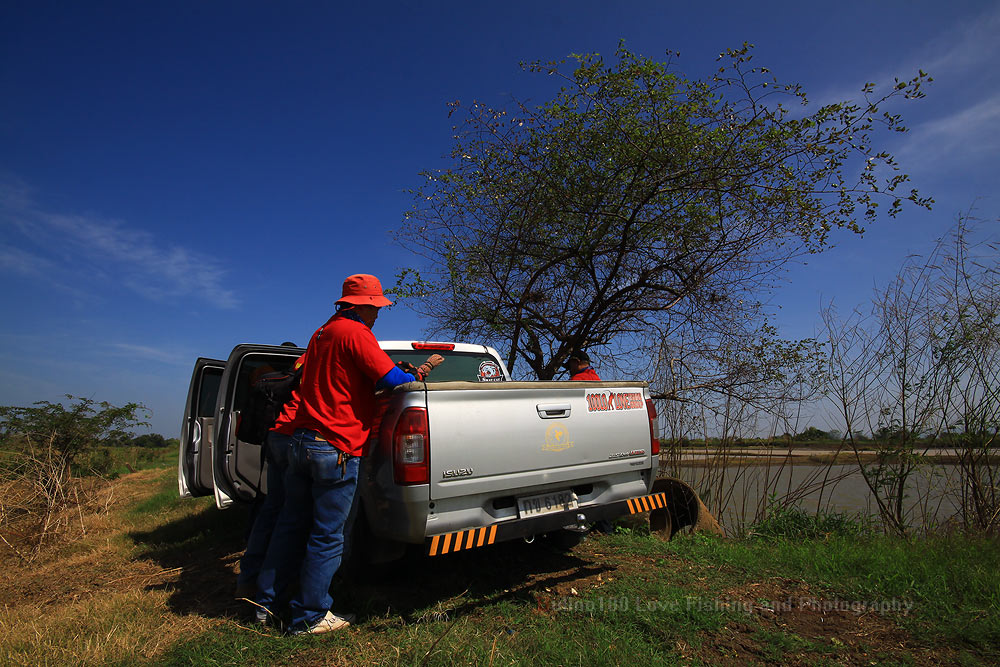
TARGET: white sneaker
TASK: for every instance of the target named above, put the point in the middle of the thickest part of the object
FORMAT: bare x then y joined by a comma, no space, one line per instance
330,622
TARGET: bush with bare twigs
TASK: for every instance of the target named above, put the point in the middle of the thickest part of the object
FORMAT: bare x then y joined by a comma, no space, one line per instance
40,446
920,372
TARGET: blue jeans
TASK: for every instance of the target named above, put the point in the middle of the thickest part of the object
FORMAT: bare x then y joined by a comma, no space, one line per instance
278,446
316,484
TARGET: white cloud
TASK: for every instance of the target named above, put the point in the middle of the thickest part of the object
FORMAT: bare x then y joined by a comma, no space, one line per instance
14,193
75,249
958,119
964,49
967,133
146,353
966,45
962,115
40,269
23,262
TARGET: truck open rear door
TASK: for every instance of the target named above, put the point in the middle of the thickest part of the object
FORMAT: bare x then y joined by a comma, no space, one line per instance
239,466
194,466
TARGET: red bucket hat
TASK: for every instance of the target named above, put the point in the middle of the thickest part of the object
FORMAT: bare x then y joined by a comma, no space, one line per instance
362,289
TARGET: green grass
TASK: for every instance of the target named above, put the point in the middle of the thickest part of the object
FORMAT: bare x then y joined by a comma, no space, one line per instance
113,462
167,525
502,633
951,585
165,500
655,602
645,618
232,645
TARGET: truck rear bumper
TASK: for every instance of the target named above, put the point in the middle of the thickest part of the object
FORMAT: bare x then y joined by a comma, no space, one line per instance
514,528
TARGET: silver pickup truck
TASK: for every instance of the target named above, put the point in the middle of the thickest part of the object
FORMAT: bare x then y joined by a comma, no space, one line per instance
467,459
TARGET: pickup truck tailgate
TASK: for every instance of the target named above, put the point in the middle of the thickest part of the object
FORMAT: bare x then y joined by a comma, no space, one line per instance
523,436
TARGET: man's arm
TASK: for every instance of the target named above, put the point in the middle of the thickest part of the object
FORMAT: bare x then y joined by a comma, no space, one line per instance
394,377
405,372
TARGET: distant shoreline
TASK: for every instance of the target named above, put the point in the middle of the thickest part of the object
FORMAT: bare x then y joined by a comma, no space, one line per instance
698,456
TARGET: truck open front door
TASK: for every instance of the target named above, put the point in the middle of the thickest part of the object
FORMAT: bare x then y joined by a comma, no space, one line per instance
238,470
194,467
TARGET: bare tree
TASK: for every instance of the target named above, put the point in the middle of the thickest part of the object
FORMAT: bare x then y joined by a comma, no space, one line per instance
920,371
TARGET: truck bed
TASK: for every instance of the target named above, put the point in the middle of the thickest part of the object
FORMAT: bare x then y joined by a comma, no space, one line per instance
495,448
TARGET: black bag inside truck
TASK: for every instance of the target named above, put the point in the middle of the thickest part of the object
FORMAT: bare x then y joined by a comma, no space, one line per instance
268,395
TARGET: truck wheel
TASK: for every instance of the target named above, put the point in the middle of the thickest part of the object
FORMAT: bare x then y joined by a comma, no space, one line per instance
684,508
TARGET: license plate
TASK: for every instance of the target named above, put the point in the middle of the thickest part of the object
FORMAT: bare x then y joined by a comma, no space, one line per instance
546,503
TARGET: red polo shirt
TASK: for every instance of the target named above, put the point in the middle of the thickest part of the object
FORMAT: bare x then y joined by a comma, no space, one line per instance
283,424
337,391
587,373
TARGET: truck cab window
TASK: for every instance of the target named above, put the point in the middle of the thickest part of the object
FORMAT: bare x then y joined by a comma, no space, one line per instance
457,366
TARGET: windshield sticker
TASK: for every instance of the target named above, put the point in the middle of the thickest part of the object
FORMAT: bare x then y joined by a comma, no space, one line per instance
489,371
612,401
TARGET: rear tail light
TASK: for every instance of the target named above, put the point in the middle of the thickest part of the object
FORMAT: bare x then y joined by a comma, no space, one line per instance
433,346
411,448
654,440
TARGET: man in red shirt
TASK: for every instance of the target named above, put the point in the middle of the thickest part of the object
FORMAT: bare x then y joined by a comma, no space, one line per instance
342,368
579,367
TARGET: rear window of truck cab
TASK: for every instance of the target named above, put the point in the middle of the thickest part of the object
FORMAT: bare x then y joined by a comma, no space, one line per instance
457,366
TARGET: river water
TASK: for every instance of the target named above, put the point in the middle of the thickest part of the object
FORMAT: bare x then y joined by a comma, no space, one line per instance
738,495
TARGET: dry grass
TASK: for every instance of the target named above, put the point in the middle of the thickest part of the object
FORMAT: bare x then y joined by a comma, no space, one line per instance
31,520
117,627
87,599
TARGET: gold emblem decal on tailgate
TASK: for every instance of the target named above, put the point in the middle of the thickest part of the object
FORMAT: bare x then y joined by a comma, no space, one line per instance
557,438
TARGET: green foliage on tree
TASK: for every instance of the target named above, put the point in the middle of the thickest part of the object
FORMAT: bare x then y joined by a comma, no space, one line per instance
645,214
150,440
811,434
63,433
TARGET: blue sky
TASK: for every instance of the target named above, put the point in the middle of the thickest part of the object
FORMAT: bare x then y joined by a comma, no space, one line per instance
177,178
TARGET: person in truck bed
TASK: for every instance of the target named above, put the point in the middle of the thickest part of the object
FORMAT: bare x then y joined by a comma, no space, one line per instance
342,369
579,367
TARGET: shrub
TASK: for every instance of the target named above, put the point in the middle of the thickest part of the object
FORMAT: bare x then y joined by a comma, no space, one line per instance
42,447
793,522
